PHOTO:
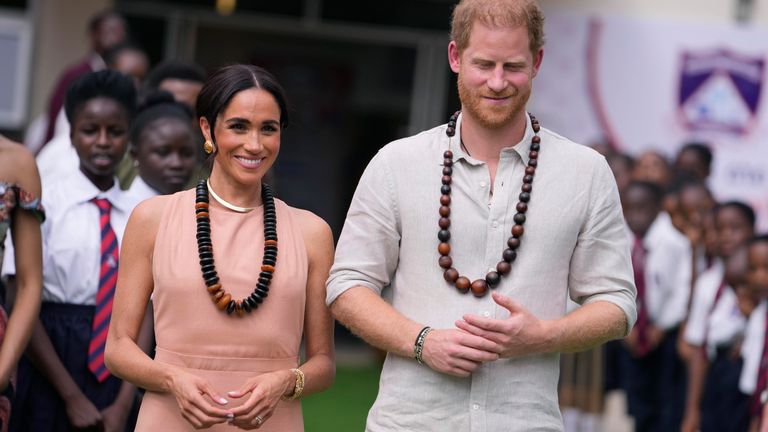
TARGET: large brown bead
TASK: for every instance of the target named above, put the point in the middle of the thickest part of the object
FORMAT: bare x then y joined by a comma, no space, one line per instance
479,287
503,267
513,243
444,223
224,301
527,187
213,288
446,180
522,207
529,170
444,248
517,230
445,200
451,275
536,139
239,308
462,284
445,211
445,262
533,154
448,154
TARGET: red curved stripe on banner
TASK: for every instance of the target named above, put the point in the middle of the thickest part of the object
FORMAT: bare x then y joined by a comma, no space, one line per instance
593,87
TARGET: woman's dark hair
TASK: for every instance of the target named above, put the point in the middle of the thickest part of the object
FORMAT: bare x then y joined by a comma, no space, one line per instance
654,190
157,106
745,209
226,82
108,84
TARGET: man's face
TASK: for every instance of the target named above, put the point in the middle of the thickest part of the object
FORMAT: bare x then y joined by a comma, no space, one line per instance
184,91
495,73
109,33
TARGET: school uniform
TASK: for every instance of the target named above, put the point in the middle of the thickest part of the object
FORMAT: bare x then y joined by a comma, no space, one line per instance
81,238
140,191
655,380
717,325
754,374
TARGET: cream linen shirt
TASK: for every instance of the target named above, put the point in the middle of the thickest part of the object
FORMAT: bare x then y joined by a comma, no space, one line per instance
574,245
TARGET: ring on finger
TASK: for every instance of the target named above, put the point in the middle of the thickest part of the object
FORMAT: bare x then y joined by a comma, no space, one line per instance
258,420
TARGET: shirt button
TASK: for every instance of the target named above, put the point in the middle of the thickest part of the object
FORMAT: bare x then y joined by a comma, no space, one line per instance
475,406
486,314
495,224
483,184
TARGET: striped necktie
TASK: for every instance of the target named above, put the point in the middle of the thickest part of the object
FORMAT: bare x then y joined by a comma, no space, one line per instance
643,323
107,283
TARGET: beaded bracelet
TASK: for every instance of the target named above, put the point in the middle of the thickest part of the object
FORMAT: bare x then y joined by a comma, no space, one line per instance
418,346
298,388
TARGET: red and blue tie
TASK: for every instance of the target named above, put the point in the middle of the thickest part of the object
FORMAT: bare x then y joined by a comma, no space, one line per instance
106,292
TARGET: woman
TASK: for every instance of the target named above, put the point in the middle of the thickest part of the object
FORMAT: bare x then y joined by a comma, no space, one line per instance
234,360
21,213
162,147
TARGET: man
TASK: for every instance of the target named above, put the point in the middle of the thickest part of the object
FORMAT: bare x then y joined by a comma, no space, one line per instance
183,80
490,361
105,30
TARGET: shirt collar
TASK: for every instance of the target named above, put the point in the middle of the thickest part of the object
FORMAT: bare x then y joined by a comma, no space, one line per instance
140,188
521,148
84,191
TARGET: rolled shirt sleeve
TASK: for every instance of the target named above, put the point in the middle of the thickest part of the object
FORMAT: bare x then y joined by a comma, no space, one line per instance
368,249
601,266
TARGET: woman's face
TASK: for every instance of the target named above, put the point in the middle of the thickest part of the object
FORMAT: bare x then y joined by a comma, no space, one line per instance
652,167
166,154
99,135
247,136
733,230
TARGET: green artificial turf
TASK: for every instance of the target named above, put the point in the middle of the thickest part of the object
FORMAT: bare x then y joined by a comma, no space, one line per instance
344,407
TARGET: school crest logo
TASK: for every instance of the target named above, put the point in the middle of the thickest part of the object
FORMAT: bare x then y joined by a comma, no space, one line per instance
720,91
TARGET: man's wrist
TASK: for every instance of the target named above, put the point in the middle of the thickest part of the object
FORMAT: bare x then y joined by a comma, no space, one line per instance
418,345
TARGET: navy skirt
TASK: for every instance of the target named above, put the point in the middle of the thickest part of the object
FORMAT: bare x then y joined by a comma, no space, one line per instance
37,406
723,407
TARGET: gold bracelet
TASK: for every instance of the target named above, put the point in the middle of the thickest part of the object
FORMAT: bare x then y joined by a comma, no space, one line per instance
298,388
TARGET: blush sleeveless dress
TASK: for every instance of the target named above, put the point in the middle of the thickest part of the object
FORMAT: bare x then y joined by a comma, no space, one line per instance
192,333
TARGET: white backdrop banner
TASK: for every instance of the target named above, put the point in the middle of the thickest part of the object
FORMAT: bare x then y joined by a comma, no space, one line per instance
644,83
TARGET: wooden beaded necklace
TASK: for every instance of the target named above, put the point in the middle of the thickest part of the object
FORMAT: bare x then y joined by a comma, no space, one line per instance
480,286
220,297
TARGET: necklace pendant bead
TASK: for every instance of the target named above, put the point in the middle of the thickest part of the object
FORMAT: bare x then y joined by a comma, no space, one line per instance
462,284
479,288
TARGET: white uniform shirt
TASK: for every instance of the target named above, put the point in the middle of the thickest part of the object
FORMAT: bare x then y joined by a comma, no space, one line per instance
72,238
752,348
57,160
667,273
140,191
716,326
574,246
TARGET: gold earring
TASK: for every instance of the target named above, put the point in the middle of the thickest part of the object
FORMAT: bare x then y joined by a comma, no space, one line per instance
208,147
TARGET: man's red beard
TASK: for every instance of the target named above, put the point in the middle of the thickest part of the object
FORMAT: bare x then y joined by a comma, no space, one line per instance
492,117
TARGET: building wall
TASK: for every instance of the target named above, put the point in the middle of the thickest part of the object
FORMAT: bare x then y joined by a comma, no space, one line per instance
60,40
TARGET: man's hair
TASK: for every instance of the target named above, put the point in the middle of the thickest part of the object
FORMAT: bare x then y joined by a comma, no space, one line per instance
495,14
174,70
95,22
